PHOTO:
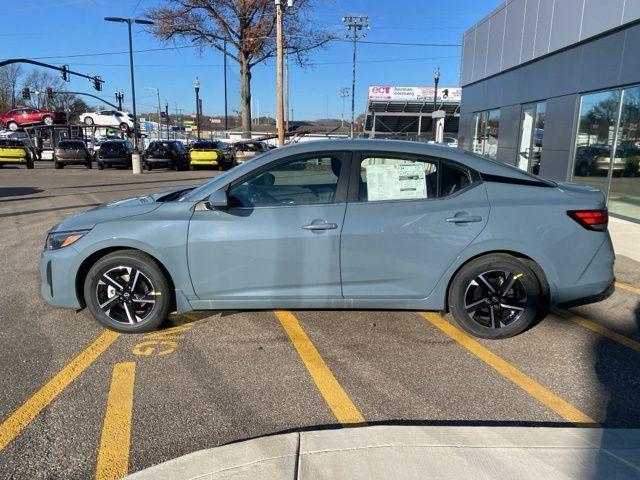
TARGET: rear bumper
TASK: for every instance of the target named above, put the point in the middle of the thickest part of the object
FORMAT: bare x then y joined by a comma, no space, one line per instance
598,297
114,161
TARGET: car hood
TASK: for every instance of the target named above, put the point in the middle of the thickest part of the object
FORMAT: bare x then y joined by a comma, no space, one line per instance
129,207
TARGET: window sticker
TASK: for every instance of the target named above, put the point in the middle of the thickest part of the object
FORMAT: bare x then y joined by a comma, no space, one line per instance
396,182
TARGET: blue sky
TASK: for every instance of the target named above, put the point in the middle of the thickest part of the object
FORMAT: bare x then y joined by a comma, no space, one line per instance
43,28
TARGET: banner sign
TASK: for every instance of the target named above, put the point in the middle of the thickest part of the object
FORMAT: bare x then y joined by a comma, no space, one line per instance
415,94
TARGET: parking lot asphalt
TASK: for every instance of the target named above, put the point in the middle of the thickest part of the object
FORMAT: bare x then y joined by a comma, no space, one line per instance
77,401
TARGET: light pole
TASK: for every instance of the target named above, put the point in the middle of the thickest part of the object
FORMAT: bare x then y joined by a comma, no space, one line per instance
355,24
159,116
226,116
129,21
196,86
344,93
166,114
436,80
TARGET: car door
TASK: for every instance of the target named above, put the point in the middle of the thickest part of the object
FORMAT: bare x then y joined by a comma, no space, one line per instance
280,236
407,219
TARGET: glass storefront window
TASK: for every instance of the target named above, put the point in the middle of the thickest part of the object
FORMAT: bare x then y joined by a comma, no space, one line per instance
610,122
624,193
531,134
485,138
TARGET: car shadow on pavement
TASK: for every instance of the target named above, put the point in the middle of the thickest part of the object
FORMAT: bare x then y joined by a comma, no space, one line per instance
18,191
618,370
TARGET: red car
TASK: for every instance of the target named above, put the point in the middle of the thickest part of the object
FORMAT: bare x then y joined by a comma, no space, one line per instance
26,116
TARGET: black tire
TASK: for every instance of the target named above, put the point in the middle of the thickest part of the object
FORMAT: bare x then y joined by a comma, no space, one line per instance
191,167
88,121
89,165
13,126
57,165
47,120
30,165
151,284
471,288
100,166
149,167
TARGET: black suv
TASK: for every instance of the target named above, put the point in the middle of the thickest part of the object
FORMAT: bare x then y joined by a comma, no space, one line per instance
169,153
115,153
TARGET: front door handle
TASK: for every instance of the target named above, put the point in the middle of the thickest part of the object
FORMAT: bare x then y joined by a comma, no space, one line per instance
320,224
464,219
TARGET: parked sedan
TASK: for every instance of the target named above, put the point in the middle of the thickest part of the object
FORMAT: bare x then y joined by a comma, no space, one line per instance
115,153
172,154
71,152
211,154
15,152
108,118
247,150
27,116
337,224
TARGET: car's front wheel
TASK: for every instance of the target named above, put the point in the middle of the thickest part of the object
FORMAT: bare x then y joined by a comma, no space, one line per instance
496,296
127,291
47,120
88,121
13,126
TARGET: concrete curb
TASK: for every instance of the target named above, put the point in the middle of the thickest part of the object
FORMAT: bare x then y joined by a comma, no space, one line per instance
417,452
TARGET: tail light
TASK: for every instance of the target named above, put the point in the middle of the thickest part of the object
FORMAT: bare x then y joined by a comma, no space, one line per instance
591,219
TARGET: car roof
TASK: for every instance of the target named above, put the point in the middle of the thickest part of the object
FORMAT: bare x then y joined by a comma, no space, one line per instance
471,160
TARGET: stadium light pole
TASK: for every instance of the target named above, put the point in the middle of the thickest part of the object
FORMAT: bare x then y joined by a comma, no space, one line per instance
129,22
355,25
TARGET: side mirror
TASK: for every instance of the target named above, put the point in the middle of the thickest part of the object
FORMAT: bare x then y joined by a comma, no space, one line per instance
218,200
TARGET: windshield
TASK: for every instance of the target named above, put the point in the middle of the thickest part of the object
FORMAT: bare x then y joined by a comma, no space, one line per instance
207,146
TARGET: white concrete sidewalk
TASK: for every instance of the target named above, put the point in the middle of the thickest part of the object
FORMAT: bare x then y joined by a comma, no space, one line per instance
626,238
418,452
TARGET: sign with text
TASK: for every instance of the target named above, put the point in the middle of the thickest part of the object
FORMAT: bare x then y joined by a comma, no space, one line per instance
414,94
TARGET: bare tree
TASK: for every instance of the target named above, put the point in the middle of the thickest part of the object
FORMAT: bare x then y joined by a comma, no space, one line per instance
248,27
9,78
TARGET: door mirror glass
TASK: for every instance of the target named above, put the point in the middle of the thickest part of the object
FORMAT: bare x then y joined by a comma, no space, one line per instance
218,199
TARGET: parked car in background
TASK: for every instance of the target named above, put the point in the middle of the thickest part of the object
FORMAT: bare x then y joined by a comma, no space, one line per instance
71,152
15,152
27,116
211,153
108,118
115,153
341,225
166,153
247,150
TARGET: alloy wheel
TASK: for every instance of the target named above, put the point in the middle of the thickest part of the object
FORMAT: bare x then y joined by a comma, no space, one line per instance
126,295
495,298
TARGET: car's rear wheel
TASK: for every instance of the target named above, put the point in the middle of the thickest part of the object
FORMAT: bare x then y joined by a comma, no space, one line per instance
88,121
124,127
100,166
88,163
47,120
127,291
496,296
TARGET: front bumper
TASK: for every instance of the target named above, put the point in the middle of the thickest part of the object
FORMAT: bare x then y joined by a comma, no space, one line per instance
58,277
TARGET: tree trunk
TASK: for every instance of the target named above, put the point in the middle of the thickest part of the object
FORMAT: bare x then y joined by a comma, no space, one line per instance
245,96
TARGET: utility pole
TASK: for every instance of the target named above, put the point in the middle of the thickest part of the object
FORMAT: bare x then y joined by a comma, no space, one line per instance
159,115
226,116
279,100
344,93
355,25
119,99
196,86
286,89
436,80
166,115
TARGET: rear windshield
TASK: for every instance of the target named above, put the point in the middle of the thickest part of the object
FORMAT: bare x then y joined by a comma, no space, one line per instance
69,145
112,147
159,146
207,146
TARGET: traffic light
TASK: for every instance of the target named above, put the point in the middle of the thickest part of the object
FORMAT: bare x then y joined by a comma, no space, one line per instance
49,93
65,73
26,93
97,83
445,93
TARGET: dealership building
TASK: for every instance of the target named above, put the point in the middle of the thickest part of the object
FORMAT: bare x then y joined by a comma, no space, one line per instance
553,87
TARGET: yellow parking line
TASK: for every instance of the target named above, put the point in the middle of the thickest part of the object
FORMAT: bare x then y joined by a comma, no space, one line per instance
533,388
13,425
595,327
335,396
113,456
627,287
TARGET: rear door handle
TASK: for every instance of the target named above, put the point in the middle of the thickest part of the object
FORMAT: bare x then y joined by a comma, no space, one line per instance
320,224
465,219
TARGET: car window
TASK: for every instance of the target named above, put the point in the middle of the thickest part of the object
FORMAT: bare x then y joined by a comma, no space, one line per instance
70,144
384,178
296,182
453,179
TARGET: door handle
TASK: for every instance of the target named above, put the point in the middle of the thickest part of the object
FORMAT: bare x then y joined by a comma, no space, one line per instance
464,219
320,225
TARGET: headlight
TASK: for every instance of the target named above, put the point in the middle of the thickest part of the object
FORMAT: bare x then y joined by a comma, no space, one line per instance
56,240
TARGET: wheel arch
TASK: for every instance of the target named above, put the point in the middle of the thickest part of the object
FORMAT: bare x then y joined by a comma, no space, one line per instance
88,262
530,262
